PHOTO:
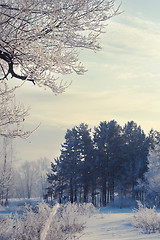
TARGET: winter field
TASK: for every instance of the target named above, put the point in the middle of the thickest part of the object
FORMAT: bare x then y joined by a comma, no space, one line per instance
105,224
114,223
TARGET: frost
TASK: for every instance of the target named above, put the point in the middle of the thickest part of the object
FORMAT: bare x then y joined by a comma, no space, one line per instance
43,38
43,222
146,219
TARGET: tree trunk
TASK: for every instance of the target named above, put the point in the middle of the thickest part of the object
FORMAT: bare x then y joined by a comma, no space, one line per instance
112,191
133,192
6,201
104,202
75,194
85,193
71,191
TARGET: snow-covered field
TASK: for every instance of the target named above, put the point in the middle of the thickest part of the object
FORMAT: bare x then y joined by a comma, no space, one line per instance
109,224
16,206
114,224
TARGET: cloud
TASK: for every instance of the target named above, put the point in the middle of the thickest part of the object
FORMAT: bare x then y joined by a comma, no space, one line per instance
133,36
92,107
122,84
118,83
76,107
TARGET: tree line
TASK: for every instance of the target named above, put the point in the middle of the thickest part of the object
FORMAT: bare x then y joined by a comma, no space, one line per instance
24,180
95,166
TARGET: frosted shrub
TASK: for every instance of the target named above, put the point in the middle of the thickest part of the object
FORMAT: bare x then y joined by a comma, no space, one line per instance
25,227
146,219
72,218
65,224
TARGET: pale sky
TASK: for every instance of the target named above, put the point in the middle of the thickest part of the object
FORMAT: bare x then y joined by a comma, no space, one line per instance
122,83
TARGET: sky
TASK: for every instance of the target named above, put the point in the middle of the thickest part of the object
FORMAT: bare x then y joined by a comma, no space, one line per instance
122,83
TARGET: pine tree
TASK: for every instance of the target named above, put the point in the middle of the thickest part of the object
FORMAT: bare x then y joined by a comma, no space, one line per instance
70,160
56,181
85,148
154,138
135,154
107,140
94,169
72,173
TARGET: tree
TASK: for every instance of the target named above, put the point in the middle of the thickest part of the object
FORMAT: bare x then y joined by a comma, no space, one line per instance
41,39
152,176
154,138
65,169
136,147
107,140
87,164
31,178
72,173
70,162
6,171
12,115
95,166
100,144
57,182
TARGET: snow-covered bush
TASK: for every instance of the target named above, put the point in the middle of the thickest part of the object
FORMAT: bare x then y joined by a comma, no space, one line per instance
65,224
146,219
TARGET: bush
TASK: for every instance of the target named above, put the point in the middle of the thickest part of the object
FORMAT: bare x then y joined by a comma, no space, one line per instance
65,224
146,219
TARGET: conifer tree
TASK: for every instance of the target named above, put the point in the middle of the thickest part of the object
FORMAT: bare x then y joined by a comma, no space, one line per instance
87,165
107,140
70,159
136,151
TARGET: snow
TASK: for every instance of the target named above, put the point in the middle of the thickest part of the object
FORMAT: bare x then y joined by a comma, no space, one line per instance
17,206
110,223
114,224
48,222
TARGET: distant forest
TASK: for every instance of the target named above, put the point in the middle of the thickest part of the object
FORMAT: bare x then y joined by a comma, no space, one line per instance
100,165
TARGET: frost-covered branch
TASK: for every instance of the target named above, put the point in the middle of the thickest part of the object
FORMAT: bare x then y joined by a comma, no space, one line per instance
6,170
12,115
152,175
43,38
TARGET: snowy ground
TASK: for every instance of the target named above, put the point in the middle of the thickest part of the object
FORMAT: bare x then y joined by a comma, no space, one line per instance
108,224
114,224
16,206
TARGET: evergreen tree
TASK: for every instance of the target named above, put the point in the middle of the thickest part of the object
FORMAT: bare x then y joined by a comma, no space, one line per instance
70,160
154,138
72,173
108,141
86,152
135,152
56,181
94,169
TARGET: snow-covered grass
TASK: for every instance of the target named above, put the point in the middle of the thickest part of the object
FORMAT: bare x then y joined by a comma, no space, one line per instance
17,206
109,223
114,224
66,222
147,219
